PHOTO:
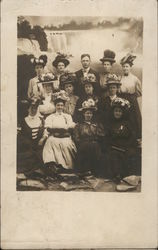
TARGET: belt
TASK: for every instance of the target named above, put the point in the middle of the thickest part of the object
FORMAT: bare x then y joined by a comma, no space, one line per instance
58,135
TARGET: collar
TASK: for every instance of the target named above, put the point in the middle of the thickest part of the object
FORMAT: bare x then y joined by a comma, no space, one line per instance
57,113
85,70
112,97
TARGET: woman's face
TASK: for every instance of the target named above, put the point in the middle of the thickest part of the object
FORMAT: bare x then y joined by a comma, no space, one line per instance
112,89
88,89
39,70
69,88
107,66
118,113
60,67
59,107
32,110
126,68
88,114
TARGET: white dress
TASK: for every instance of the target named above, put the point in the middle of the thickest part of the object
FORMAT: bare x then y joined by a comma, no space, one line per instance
61,150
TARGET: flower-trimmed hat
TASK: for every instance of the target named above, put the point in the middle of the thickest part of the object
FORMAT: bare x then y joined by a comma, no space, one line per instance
129,58
88,104
109,56
67,78
61,58
121,103
89,79
42,60
113,79
60,96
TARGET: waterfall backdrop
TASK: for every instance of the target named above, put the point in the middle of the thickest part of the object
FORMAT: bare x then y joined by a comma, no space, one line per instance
78,35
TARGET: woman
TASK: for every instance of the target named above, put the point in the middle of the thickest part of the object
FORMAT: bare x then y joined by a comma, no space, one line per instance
88,136
29,152
121,139
131,90
107,61
36,90
60,63
67,82
89,83
59,149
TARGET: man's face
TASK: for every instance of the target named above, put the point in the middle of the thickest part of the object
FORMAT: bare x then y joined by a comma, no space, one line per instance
85,62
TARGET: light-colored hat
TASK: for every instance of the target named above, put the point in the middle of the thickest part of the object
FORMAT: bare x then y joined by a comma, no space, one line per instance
113,79
60,96
88,104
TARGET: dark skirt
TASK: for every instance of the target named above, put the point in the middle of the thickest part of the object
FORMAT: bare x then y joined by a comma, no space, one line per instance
90,158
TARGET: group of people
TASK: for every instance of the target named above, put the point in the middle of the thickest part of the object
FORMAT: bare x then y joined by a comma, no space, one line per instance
82,122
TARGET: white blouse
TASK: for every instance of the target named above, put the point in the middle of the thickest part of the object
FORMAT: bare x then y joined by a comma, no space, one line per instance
131,85
58,120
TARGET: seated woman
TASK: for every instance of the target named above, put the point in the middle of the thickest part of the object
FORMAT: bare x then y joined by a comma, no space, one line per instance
59,149
88,136
29,153
121,142
89,87
67,82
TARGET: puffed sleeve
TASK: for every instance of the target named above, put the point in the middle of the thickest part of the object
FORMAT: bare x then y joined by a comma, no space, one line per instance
138,87
48,122
69,122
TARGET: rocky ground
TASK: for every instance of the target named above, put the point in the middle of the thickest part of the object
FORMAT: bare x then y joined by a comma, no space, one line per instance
73,182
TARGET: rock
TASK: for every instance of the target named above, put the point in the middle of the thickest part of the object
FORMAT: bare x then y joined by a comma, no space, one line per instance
34,184
132,180
124,187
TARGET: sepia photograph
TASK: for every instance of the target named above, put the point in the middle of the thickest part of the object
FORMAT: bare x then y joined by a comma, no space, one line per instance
79,98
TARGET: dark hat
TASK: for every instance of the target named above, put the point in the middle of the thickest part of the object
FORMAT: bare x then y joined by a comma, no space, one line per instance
109,56
60,58
67,78
42,60
88,104
129,58
113,79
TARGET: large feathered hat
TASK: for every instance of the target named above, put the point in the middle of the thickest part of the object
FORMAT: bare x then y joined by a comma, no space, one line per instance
129,58
61,58
109,56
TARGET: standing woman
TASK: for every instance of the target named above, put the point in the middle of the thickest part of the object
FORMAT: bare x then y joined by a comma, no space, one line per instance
59,149
131,90
107,61
36,90
60,63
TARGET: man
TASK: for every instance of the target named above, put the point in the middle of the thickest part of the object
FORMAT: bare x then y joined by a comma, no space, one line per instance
82,73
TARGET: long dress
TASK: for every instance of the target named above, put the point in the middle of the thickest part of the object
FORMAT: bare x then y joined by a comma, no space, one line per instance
88,137
131,90
59,147
121,151
29,154
71,104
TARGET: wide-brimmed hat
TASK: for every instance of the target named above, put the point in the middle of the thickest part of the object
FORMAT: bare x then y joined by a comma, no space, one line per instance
61,58
88,105
109,56
60,96
42,60
90,78
113,79
67,78
129,58
121,103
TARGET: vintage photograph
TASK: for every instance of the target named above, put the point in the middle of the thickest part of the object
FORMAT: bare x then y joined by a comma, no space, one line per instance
79,102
